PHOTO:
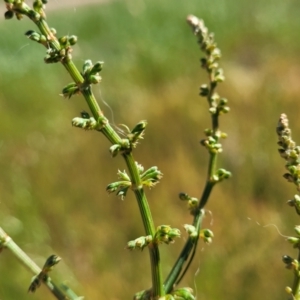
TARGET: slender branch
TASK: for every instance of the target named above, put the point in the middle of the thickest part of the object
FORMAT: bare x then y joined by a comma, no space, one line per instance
217,106
8,243
290,152
183,256
157,287
60,51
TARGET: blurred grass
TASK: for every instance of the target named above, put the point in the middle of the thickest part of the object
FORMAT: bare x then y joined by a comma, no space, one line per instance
53,176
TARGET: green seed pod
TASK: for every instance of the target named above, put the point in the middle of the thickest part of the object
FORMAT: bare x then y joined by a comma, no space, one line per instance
287,259
123,176
154,174
53,31
19,16
63,40
112,187
87,66
212,110
73,40
37,6
185,293
297,229
294,241
204,90
33,35
169,297
94,79
288,177
8,15
35,16
97,67
69,90
143,295
139,127
289,290
174,232
191,230
184,196
225,109
122,193
114,150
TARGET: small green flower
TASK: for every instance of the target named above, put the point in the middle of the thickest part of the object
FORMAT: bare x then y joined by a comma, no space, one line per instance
87,124
8,15
185,293
123,175
206,235
137,133
192,202
90,72
70,89
191,230
37,37
294,241
204,90
295,203
87,66
290,152
97,67
290,262
222,174
73,40
212,145
114,149
139,243
120,187
143,295
166,234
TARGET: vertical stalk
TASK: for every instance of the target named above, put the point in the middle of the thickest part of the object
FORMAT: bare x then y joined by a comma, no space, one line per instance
157,283
183,256
53,43
217,105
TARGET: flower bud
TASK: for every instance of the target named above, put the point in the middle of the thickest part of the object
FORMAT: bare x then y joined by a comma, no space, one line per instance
184,196
297,229
204,90
114,150
288,290
287,259
95,79
97,67
294,241
73,40
87,66
8,15
185,293
191,230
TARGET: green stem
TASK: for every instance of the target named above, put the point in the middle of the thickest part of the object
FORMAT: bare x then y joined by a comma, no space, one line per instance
7,243
140,194
157,284
189,245
176,273
296,283
114,138
94,107
158,290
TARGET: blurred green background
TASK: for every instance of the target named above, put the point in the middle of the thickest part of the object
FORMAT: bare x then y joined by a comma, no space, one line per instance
53,176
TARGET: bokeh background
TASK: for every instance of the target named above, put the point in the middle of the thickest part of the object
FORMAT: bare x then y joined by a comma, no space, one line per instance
53,177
